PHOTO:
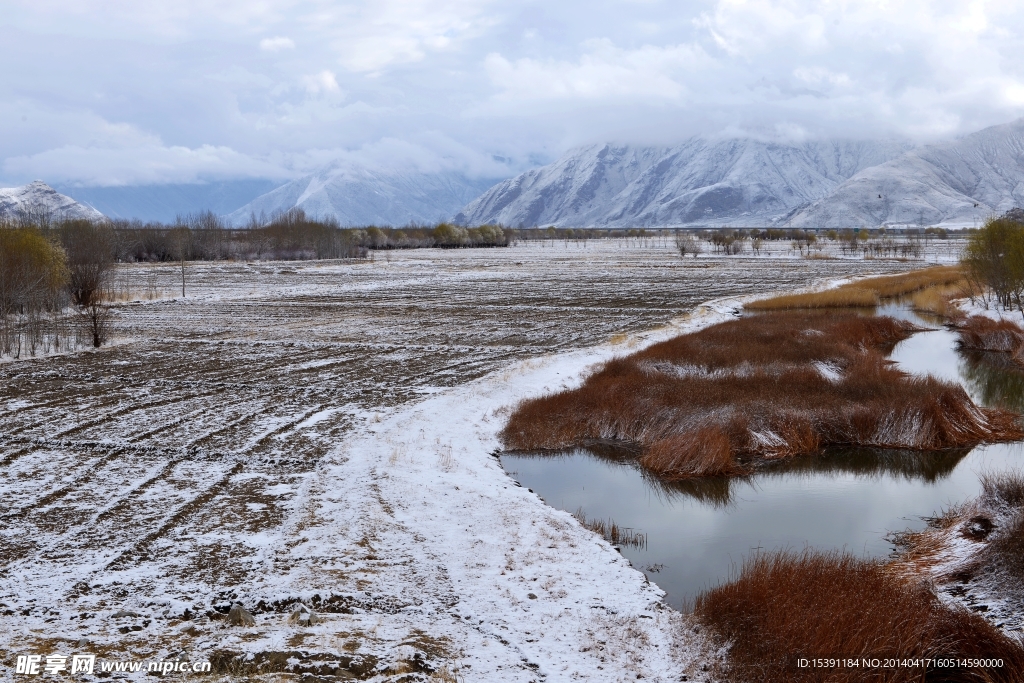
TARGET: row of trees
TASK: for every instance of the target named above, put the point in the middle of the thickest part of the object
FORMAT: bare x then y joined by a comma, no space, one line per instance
876,243
204,237
288,236
55,274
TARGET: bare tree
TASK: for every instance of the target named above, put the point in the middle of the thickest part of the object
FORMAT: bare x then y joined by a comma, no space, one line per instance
90,256
687,244
97,322
181,241
90,249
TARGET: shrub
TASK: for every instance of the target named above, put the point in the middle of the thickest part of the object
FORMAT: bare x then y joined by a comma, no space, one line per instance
979,333
787,605
33,271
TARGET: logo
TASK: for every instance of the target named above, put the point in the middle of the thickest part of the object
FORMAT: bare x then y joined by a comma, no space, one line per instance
56,663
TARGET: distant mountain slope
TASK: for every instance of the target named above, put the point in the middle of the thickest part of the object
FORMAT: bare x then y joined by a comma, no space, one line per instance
164,202
957,182
702,181
38,197
358,196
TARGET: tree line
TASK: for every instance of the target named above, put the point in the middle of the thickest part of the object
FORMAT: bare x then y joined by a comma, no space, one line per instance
877,242
55,273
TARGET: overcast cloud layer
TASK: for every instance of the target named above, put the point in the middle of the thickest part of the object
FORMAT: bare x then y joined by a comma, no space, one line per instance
112,92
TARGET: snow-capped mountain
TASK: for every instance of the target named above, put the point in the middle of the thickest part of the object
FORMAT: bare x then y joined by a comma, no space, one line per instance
702,181
959,182
39,198
360,195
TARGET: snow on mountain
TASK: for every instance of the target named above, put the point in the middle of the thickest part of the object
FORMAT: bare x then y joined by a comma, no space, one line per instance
360,195
39,198
957,183
702,181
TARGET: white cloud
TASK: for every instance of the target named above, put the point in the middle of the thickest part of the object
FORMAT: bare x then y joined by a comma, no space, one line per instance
277,44
372,36
142,164
603,72
323,82
180,88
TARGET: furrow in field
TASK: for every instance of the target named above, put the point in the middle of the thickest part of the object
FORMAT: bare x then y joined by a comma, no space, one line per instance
136,552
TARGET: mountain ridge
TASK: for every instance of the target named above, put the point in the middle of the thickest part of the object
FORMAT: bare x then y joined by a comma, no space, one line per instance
358,195
39,198
956,182
701,181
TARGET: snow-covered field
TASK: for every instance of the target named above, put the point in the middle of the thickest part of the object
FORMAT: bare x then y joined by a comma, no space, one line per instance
321,432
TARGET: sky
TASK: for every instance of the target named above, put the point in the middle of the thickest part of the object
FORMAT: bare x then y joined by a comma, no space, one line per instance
119,92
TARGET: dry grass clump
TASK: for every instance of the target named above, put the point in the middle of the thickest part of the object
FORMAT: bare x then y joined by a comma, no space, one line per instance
942,280
979,333
1005,489
767,386
994,522
788,605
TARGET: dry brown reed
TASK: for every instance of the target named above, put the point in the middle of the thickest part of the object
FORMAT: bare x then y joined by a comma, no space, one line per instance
890,286
767,386
840,297
979,333
784,606
937,300
868,292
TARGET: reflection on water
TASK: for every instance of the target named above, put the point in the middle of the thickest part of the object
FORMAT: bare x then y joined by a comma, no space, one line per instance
873,462
700,530
909,465
992,379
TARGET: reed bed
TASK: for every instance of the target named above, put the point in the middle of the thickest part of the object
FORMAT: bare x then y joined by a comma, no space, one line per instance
763,387
890,286
840,297
937,300
869,292
974,552
788,605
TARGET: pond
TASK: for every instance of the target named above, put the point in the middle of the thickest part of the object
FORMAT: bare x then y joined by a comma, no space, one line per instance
698,532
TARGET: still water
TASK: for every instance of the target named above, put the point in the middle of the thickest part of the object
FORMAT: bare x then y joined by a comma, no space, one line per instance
699,532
